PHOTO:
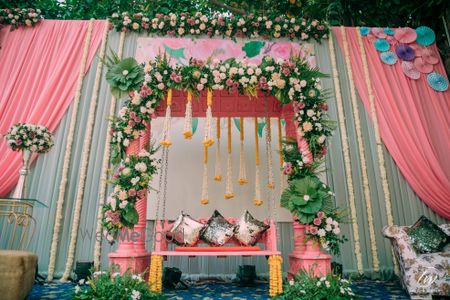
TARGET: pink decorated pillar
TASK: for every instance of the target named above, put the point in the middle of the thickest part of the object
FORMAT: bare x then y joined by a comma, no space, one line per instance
307,255
131,253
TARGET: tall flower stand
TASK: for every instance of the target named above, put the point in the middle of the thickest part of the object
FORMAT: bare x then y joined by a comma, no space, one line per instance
307,255
20,191
131,253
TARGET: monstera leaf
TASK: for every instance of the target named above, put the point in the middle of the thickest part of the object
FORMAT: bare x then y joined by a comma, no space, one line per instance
305,197
124,76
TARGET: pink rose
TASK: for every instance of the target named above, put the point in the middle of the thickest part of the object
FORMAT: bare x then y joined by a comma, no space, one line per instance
287,169
229,82
317,221
321,214
132,192
141,193
313,230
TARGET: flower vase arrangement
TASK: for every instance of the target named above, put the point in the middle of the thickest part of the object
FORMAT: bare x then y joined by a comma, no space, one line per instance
104,285
311,201
306,287
28,138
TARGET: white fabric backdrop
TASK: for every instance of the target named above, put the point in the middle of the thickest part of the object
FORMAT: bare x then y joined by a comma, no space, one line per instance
186,171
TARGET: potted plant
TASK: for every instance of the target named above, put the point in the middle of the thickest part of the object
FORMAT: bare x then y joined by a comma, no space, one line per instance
316,219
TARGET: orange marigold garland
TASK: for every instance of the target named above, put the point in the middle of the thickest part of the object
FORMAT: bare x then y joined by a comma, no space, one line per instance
242,173
229,184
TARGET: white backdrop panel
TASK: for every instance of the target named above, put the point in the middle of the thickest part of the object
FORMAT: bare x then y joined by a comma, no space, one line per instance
186,169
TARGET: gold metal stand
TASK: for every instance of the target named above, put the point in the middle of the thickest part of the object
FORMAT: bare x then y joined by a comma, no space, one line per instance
16,221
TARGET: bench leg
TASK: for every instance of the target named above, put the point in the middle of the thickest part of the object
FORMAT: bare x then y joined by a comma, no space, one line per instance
155,274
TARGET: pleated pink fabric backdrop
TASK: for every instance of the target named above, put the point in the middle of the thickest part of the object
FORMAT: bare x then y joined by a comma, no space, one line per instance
39,68
414,121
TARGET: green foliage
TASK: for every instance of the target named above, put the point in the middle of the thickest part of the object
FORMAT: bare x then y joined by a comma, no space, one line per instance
123,75
104,285
307,287
306,197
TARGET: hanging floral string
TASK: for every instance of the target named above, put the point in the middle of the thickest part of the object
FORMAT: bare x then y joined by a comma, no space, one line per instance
280,149
84,162
67,156
208,141
242,173
218,166
229,185
270,184
275,275
257,199
187,131
105,165
166,142
205,199
155,274
361,151
380,153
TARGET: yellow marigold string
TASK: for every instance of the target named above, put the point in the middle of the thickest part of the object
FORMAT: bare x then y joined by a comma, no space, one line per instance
155,274
229,185
242,172
218,166
270,183
257,199
208,140
280,150
166,142
187,132
275,275
204,200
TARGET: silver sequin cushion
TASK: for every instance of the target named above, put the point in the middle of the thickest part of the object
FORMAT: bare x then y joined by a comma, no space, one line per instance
248,230
218,231
185,231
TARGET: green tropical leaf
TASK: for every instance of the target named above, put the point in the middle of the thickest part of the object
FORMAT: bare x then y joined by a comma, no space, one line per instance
305,218
253,48
131,216
312,208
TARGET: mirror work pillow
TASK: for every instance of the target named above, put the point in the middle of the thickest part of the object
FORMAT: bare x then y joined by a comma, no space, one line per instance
427,237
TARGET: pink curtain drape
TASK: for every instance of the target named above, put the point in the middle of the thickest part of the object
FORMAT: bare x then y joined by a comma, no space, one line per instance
414,121
39,69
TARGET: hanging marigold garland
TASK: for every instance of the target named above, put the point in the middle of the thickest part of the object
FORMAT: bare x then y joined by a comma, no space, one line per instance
67,156
242,172
84,162
187,131
155,274
380,153
346,154
218,166
208,141
280,149
270,183
257,199
362,158
166,142
205,199
275,275
229,184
